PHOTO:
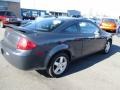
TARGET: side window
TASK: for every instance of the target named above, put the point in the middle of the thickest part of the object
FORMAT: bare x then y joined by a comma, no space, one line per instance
87,27
71,29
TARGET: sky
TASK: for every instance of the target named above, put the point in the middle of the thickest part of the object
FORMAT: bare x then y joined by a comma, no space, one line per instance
90,7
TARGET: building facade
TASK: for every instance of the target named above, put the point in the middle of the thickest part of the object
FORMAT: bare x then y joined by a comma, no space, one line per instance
11,5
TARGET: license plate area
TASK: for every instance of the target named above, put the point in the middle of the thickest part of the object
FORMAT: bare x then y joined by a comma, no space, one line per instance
4,53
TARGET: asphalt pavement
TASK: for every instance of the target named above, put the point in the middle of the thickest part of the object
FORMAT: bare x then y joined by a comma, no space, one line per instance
95,72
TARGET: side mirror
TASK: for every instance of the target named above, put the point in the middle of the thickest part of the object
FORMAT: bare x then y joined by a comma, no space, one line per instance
97,34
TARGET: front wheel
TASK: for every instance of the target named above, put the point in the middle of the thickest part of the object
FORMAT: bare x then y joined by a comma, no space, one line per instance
107,47
58,65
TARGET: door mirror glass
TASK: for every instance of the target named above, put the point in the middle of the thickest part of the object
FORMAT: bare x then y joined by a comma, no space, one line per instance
97,34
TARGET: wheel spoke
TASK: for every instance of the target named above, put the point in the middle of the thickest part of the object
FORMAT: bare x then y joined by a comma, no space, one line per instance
61,59
57,69
64,64
61,69
56,63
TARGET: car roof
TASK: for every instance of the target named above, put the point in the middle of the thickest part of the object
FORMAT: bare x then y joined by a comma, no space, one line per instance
66,18
109,18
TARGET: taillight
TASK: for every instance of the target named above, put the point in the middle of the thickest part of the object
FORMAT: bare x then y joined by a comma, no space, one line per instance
115,25
25,44
3,17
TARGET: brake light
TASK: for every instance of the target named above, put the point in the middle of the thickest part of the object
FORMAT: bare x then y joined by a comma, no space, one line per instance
115,25
25,44
3,17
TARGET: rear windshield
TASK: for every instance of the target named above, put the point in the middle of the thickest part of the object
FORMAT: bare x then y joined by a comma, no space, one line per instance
45,25
109,20
2,13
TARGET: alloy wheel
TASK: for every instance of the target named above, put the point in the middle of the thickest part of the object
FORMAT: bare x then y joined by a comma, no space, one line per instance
60,65
107,47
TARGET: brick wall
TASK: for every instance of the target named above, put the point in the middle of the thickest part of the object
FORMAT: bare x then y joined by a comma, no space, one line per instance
14,7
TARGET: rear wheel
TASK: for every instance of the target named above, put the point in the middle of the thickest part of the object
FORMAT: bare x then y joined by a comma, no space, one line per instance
58,65
107,47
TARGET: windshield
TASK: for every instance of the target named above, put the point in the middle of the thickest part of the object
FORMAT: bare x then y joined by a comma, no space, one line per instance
2,13
44,25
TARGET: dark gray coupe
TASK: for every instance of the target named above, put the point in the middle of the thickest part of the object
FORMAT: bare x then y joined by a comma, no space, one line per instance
50,44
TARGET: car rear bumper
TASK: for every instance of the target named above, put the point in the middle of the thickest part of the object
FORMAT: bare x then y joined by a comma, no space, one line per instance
23,62
108,28
15,23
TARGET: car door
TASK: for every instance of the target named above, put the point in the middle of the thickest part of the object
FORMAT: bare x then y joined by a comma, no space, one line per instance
92,40
74,40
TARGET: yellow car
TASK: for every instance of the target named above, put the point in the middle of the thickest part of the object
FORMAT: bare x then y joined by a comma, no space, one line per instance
109,24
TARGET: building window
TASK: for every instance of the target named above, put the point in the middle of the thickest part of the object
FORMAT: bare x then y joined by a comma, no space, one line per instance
3,5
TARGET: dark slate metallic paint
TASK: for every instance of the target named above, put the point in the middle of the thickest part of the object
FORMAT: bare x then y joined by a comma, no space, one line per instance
50,43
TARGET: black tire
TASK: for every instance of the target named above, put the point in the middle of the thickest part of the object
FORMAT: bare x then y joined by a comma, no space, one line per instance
51,67
107,47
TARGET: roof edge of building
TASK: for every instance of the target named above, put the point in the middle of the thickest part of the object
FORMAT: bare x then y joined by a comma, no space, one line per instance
11,0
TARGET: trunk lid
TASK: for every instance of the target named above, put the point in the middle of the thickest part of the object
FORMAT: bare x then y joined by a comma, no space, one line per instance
12,36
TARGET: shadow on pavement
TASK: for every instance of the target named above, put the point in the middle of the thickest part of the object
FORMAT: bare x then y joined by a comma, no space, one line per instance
118,35
91,60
